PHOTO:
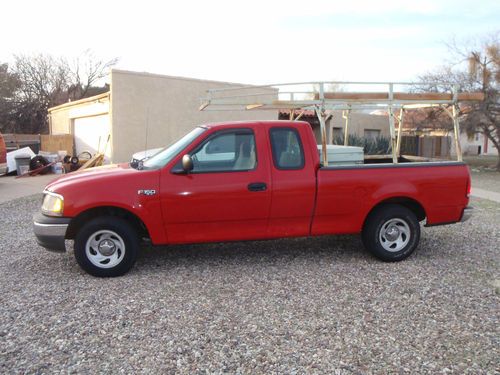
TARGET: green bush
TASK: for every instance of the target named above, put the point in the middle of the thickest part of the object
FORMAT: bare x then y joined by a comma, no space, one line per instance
377,146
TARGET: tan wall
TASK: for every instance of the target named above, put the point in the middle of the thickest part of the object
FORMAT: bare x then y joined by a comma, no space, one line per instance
470,145
60,118
60,122
163,107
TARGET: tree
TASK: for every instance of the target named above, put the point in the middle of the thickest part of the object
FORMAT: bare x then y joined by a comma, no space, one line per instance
44,81
475,66
9,84
85,72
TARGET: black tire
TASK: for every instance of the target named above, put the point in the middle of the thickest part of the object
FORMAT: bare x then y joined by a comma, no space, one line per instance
38,162
391,233
124,241
84,155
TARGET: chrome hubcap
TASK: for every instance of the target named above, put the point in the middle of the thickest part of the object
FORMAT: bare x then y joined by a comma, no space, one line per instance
105,249
394,235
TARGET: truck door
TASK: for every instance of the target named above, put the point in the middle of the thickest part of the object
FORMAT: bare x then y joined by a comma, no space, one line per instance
294,182
227,196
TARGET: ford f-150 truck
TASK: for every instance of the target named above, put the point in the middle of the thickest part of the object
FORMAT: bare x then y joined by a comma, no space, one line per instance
246,181
3,156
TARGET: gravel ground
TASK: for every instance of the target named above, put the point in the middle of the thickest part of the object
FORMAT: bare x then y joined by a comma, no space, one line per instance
289,306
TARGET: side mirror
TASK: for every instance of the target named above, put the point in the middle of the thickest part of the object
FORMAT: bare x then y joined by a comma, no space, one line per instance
187,163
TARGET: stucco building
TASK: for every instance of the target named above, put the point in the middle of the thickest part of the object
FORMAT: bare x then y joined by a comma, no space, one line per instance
360,124
141,111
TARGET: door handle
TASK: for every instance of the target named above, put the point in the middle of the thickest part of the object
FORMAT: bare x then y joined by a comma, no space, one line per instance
257,186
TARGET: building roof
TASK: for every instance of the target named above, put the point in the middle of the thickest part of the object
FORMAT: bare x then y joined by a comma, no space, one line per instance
155,75
423,119
95,98
312,113
296,112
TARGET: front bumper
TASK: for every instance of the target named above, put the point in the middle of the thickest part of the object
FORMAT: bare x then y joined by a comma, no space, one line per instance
466,215
50,232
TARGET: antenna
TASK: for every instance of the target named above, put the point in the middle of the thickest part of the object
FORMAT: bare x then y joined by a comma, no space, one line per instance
147,129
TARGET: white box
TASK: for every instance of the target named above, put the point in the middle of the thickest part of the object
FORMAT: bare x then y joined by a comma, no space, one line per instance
11,161
343,155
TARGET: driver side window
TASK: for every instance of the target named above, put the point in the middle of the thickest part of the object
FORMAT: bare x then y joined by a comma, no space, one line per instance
225,152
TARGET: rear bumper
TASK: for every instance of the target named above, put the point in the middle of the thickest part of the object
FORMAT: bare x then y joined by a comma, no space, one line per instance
3,169
50,232
466,215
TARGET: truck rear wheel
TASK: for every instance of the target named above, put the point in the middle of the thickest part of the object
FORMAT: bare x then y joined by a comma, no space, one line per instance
391,233
106,246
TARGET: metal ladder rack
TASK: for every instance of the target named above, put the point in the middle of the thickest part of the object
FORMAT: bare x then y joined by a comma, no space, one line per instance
325,97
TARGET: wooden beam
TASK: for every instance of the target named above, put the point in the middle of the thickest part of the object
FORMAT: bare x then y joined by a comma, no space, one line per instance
253,106
471,96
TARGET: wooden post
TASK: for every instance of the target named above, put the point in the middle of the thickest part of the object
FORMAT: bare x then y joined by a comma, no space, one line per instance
400,128
345,116
391,124
320,112
393,135
456,127
321,117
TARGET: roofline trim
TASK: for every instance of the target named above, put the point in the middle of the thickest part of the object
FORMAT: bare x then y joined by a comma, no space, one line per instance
147,74
80,101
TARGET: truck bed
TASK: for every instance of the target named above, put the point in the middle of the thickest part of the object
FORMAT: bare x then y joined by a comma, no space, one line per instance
346,194
379,159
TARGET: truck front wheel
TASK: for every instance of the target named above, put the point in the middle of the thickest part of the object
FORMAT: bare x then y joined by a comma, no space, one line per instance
391,233
106,246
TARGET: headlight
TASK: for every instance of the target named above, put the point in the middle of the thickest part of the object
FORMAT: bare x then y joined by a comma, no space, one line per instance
53,204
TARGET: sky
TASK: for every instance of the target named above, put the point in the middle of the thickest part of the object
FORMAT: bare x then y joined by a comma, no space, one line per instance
255,42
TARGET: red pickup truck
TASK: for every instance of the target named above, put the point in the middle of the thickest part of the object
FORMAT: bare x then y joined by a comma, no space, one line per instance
245,181
3,156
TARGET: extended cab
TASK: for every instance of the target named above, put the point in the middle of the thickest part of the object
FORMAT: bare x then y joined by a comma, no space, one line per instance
246,181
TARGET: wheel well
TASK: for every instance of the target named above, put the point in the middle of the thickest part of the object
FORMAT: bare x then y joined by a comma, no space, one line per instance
409,203
84,217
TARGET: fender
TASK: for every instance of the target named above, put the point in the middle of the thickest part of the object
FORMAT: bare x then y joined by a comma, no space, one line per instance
115,186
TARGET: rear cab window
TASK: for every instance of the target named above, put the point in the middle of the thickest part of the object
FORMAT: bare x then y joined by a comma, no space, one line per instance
287,149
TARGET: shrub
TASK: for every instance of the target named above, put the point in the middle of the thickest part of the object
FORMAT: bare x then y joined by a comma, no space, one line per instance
371,146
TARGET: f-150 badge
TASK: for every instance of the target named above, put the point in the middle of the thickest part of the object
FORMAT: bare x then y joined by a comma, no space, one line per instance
146,192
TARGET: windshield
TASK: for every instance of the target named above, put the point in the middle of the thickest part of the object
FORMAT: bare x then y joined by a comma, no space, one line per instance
163,157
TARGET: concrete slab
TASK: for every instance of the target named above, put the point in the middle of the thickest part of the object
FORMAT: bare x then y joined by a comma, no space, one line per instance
486,194
13,188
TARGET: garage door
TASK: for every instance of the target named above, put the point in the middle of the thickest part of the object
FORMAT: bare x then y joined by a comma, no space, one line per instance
88,131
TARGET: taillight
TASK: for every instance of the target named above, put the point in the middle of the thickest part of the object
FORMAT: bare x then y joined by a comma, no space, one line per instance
469,186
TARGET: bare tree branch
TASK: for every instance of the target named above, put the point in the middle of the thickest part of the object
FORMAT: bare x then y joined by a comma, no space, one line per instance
46,81
476,68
